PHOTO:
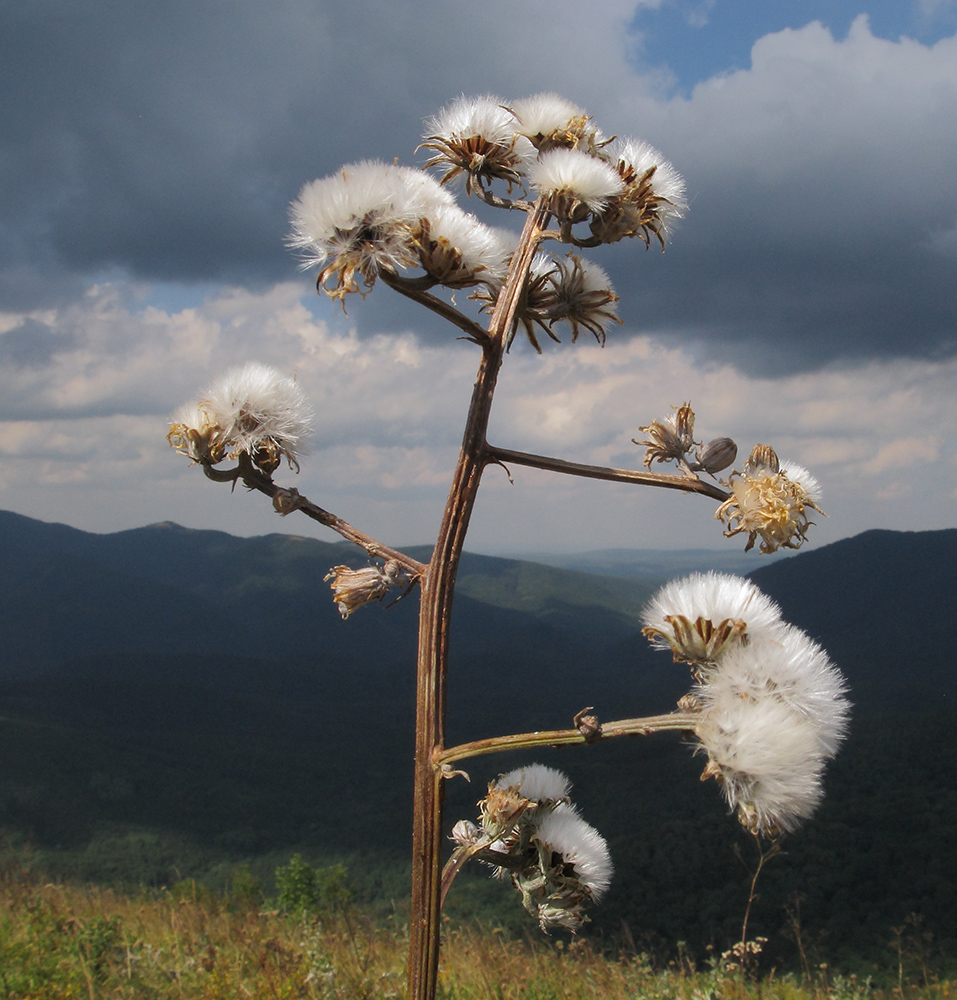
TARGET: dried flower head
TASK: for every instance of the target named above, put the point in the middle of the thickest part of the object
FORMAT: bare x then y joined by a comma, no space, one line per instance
702,616
550,122
670,438
254,410
195,432
570,290
653,196
767,757
788,666
361,219
459,251
767,503
353,588
574,183
478,137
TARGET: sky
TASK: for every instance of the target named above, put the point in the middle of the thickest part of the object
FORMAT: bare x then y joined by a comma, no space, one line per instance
149,152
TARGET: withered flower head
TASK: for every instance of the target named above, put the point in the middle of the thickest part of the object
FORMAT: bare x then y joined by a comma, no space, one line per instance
254,410
572,291
670,438
653,195
353,588
770,501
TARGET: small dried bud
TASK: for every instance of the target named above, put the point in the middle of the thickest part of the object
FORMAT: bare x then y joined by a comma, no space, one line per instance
465,833
716,455
588,725
684,426
689,703
285,501
352,588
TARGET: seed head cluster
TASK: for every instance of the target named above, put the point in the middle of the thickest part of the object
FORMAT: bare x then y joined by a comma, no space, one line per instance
771,706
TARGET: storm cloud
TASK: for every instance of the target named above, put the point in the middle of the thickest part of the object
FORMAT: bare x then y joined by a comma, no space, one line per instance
164,141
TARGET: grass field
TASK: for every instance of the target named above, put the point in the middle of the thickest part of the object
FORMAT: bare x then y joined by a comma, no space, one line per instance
60,941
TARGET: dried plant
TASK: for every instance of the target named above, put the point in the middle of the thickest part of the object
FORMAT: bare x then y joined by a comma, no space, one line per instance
766,706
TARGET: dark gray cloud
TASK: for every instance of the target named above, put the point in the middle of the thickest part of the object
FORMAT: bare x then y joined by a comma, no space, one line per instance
33,344
164,140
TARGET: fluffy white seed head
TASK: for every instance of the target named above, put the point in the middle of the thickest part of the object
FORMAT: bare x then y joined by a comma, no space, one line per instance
365,215
767,757
786,667
537,783
580,845
699,617
478,137
253,410
482,252
576,175
549,117
469,117
256,404
635,158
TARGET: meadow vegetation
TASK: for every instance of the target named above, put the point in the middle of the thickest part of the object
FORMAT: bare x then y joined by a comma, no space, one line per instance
308,939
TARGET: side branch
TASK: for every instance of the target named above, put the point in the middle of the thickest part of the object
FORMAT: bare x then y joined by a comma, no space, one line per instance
687,484
564,737
287,500
411,290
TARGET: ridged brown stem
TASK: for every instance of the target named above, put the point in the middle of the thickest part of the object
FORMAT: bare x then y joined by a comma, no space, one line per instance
438,585
683,721
290,499
687,484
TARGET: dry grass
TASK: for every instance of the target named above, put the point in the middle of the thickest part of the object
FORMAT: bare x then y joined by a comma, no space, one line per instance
61,941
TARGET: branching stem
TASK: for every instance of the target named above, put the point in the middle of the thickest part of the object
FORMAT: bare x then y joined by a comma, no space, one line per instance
287,500
686,483
683,721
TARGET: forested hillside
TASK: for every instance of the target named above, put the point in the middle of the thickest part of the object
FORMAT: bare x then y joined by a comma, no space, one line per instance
175,702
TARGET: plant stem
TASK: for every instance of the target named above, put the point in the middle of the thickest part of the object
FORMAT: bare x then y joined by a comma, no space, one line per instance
563,737
292,499
686,483
437,585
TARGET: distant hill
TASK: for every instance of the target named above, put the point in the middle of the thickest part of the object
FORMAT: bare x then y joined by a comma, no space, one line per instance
655,564
177,698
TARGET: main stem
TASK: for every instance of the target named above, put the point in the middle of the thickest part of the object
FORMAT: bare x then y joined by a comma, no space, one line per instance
437,587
